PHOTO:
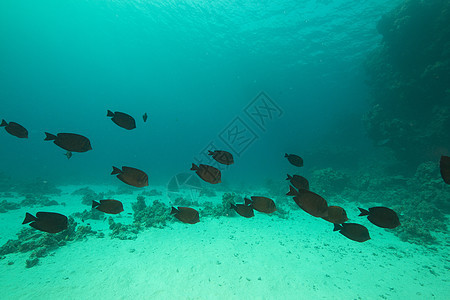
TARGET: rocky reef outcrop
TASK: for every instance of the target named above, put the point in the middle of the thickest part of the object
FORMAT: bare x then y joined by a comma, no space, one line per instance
409,79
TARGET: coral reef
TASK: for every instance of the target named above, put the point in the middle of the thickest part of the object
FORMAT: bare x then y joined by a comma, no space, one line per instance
121,231
37,200
409,75
5,206
223,209
329,181
39,187
150,193
155,215
41,243
89,195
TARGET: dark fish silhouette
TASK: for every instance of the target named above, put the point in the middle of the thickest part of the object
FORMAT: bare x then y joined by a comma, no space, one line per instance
186,214
144,117
445,168
15,129
207,173
299,182
108,206
243,210
294,159
222,157
336,215
68,154
47,221
310,202
70,141
353,231
261,204
131,176
381,216
122,119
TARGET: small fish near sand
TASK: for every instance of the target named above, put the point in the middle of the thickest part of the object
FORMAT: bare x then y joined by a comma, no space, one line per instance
310,202
261,204
381,216
221,156
108,206
71,142
47,221
15,129
186,214
444,165
299,182
209,174
131,176
336,215
243,210
122,119
294,159
353,231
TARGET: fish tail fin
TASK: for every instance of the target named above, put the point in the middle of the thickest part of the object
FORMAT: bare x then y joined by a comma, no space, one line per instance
29,218
232,206
173,211
95,204
289,177
116,171
3,124
194,167
292,191
363,212
337,227
248,201
109,113
286,155
49,137
210,152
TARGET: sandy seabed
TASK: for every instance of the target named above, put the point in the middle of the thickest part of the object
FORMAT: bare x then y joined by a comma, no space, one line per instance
265,257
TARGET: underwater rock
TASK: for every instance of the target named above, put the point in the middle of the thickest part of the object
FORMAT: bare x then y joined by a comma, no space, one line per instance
91,214
329,181
6,206
408,77
156,215
37,200
121,231
41,243
89,195
151,193
39,187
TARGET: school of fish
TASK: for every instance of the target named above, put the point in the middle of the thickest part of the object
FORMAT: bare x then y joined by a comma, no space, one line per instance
299,189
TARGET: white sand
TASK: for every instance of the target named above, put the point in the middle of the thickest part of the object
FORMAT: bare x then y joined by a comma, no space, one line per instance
265,257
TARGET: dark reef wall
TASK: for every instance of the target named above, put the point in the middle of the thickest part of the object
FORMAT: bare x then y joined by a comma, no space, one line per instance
409,78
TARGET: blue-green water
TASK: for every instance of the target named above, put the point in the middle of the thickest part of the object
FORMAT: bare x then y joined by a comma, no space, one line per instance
358,89
193,66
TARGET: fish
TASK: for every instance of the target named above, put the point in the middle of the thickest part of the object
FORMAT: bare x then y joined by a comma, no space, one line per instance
261,204
336,215
353,231
68,154
47,221
310,202
243,210
294,159
144,117
444,165
186,214
221,156
70,141
108,206
381,216
122,119
131,176
15,129
207,173
299,182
